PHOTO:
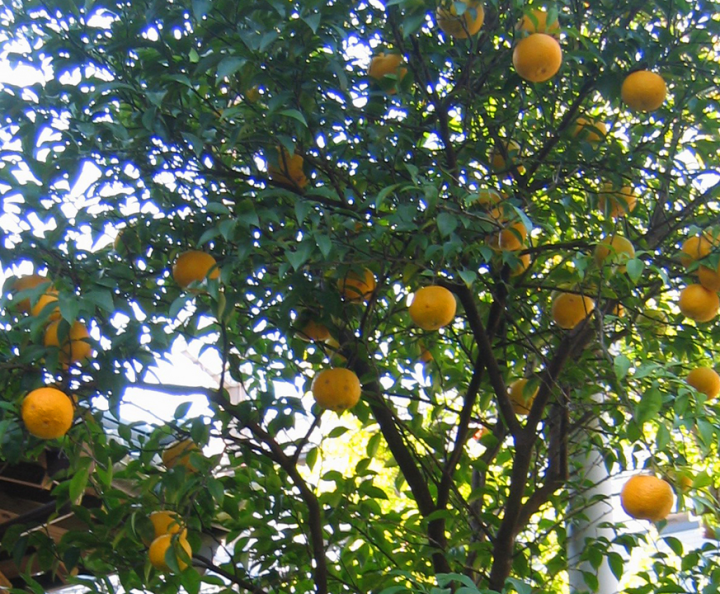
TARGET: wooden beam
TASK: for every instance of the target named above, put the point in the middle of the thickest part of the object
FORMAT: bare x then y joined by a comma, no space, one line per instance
15,506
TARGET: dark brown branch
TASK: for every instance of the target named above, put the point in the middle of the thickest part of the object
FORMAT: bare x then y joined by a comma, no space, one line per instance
276,453
315,521
304,440
419,66
244,584
403,456
467,300
557,467
564,123
483,339
573,343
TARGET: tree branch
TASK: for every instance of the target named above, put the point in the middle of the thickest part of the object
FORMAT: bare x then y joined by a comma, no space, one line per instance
557,469
483,340
244,584
403,456
573,343
467,300
317,540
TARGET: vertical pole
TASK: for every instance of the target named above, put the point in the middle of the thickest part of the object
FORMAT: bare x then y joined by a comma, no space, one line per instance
586,525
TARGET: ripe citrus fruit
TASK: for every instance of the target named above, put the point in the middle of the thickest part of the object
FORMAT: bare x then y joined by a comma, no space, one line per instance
709,277
179,454
425,355
432,307
705,380
699,304
491,201
614,251
487,197
616,203
289,170
166,522
336,389
194,266
683,482
497,215
536,21
569,309
643,90
590,130
461,26
538,57
383,64
312,331
354,287
75,348
521,266
47,413
50,296
24,283
646,497
520,398
695,248
513,236
497,161
159,548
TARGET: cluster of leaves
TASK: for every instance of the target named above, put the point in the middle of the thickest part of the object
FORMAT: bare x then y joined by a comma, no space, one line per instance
167,115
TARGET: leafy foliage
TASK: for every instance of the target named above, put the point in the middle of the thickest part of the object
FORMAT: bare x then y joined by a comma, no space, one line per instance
161,124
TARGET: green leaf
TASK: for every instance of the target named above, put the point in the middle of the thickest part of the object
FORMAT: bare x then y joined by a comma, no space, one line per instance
311,457
370,490
182,409
468,276
616,563
103,299
622,366
337,432
373,444
69,308
384,193
177,306
675,545
706,431
200,8
519,586
447,223
191,581
635,269
78,483
298,258
217,490
313,21
662,439
229,66
302,209
649,406
324,243
217,208
294,114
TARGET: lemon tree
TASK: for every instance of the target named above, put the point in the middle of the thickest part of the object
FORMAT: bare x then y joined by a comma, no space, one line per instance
233,173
